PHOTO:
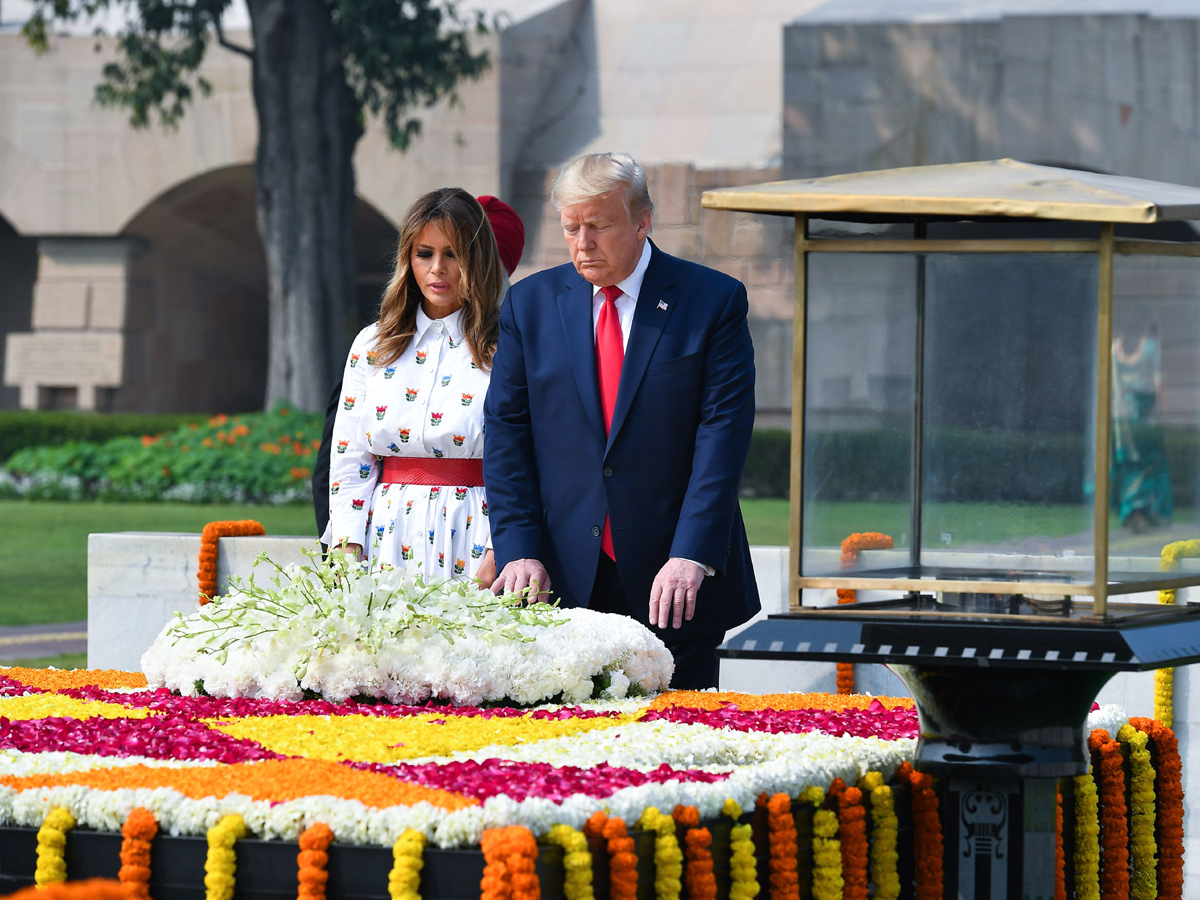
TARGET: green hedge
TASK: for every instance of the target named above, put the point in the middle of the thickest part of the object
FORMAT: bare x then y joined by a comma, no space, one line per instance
253,458
23,428
874,464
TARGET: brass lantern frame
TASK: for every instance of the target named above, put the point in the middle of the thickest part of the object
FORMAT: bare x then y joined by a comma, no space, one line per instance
989,191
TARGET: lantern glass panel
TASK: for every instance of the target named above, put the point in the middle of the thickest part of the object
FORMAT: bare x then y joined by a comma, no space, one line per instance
1010,353
858,408
1155,466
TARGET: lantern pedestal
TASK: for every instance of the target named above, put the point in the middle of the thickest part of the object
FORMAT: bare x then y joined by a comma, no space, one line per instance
1002,702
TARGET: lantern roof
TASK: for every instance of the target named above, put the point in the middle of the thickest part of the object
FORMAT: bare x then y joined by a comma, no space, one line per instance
1005,188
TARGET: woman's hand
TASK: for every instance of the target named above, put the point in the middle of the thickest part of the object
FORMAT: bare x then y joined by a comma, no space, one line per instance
487,570
356,549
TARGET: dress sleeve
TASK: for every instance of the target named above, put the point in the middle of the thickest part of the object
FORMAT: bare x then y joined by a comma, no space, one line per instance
353,468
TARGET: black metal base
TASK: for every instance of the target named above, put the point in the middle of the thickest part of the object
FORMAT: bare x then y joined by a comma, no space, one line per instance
1001,723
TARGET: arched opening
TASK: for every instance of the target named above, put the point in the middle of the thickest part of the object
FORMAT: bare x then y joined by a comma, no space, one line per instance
196,313
18,272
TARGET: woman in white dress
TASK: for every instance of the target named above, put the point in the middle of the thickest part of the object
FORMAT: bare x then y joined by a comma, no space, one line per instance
406,474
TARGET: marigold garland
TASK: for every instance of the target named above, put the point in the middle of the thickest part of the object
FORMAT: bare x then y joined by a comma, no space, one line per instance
1164,679
209,536
51,841
1143,883
137,833
408,858
852,833
577,862
783,880
698,875
1060,853
668,858
220,864
885,830
312,861
851,547
1087,838
622,861
927,833
510,871
743,866
1168,787
1114,832
89,889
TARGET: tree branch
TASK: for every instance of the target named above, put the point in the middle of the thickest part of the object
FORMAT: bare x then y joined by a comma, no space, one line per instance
228,44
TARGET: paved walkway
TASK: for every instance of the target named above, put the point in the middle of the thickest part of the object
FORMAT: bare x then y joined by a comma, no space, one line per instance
37,641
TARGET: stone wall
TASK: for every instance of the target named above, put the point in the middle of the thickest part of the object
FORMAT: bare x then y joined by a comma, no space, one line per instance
1113,93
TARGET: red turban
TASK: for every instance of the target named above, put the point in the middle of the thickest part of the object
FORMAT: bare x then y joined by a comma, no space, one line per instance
508,228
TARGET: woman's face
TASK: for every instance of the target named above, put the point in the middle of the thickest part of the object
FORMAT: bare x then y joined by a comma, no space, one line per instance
435,267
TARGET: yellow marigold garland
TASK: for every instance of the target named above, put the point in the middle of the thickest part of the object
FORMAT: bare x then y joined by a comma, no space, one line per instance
312,861
51,841
137,833
743,867
577,862
408,858
1143,851
1164,679
1168,790
1087,838
668,858
221,862
885,830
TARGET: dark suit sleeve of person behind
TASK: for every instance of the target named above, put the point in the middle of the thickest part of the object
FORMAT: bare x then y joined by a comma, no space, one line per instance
509,469
320,475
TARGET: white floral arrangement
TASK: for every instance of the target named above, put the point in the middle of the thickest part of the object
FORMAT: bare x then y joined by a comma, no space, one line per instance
336,630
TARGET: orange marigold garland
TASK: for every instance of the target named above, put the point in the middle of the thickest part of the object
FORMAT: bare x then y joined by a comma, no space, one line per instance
698,875
509,871
852,832
312,861
927,833
137,833
622,861
784,880
1168,788
213,532
851,547
90,889
1114,829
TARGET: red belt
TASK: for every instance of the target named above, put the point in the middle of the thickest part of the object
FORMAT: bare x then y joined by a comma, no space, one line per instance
432,470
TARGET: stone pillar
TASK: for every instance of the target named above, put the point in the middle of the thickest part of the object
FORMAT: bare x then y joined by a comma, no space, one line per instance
79,317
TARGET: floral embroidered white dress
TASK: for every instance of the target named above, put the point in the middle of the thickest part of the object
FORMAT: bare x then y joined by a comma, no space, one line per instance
428,403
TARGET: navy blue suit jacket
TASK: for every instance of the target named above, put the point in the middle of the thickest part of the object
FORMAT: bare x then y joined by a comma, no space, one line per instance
668,473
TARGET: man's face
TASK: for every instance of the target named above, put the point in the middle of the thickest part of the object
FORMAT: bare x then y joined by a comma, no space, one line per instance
605,244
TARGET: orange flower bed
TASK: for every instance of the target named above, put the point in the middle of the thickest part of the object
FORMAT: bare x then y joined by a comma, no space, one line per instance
62,679
721,699
278,780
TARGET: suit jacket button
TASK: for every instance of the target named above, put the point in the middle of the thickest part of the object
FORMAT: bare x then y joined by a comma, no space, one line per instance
595,531
607,472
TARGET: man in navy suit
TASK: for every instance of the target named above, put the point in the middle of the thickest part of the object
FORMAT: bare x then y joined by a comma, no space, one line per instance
618,421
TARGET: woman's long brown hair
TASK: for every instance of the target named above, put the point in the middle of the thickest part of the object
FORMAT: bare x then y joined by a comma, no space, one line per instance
474,245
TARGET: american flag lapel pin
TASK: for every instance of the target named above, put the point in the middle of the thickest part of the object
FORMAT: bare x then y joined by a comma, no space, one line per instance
662,304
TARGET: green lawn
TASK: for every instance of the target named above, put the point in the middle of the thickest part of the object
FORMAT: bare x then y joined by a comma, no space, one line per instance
43,546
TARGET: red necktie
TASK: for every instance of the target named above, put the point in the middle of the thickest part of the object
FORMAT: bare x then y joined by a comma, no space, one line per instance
610,354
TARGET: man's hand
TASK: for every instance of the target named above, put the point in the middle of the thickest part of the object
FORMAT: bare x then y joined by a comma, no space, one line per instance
673,595
522,573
